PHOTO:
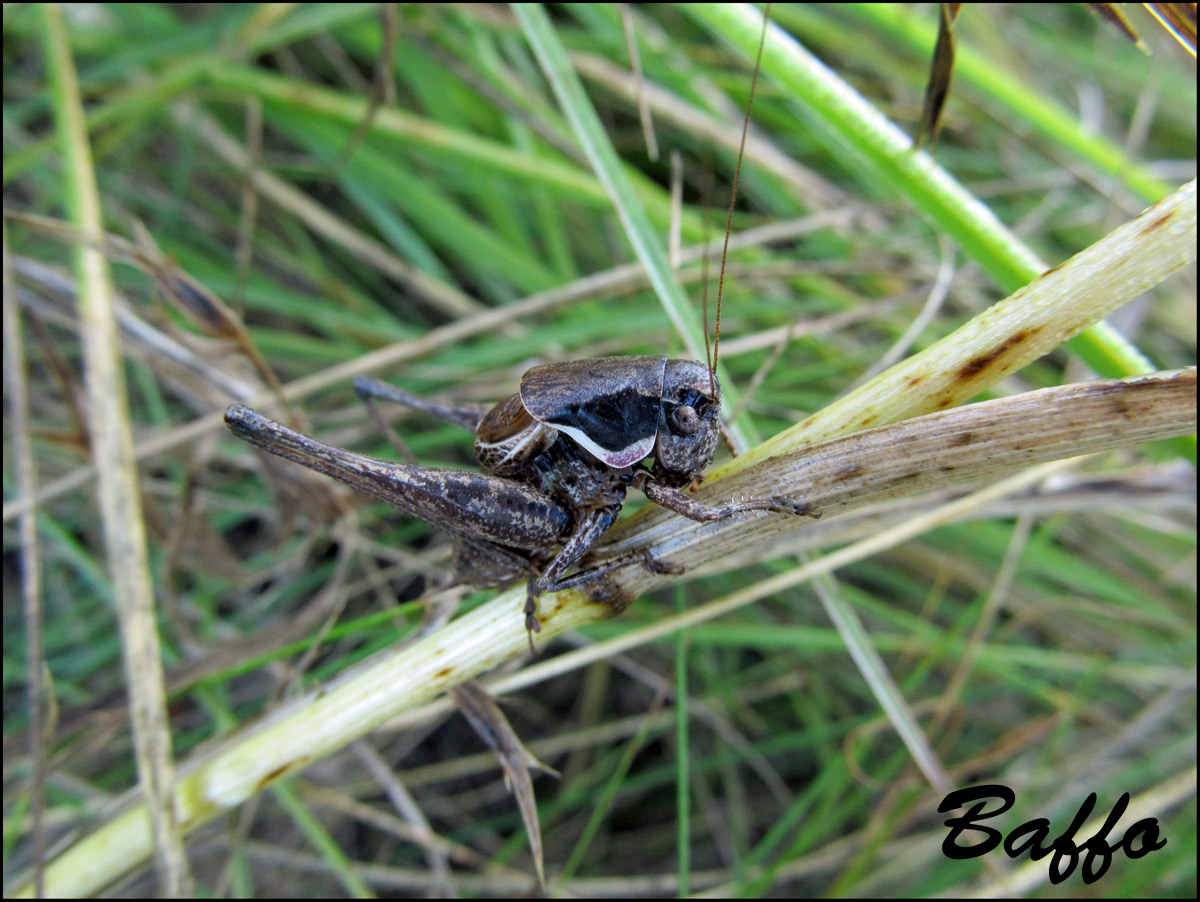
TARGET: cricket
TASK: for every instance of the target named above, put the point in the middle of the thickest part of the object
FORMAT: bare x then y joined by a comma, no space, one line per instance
557,460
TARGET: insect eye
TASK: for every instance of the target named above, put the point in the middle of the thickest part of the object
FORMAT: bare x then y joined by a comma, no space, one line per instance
685,420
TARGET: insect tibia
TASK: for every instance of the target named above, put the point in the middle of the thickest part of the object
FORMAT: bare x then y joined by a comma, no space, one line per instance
675,500
587,533
466,415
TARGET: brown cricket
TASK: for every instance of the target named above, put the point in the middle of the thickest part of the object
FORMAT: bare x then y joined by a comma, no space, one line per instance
557,459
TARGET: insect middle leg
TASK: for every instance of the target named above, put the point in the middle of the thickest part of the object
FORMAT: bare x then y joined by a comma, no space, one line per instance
588,531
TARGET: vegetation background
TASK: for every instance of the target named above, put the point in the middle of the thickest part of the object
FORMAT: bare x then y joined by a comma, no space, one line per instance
1048,644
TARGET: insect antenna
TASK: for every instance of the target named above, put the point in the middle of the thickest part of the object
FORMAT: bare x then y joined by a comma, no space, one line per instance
737,174
704,239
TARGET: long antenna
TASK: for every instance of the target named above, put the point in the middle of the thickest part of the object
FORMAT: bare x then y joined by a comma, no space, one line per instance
707,191
737,174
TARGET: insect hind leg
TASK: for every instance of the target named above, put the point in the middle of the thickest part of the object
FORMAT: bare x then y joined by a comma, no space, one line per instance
466,415
368,389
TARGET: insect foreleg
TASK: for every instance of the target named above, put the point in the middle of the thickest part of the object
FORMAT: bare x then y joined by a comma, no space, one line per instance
676,500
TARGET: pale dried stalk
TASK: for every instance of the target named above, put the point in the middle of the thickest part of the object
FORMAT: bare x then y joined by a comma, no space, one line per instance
989,439
1028,324
118,494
